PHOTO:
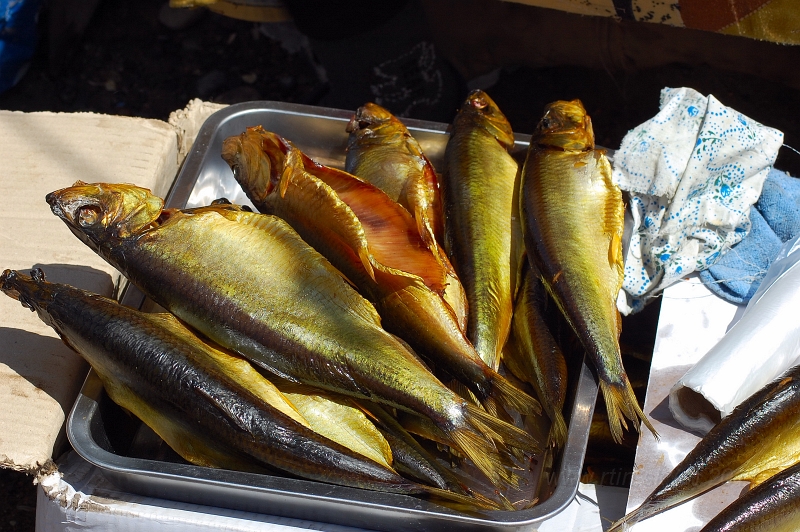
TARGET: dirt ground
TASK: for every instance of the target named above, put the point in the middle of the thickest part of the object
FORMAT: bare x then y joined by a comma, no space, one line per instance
128,63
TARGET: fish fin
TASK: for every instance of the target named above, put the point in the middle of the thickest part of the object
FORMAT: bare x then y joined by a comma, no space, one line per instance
621,403
286,175
509,395
615,250
226,412
463,391
648,508
485,457
490,405
363,255
757,479
501,431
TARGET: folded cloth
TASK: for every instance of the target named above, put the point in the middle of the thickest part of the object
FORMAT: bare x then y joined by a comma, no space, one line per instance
775,219
692,172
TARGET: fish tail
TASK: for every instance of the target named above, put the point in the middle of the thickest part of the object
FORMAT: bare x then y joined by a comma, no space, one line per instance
500,431
505,393
482,452
647,509
558,430
621,403
465,503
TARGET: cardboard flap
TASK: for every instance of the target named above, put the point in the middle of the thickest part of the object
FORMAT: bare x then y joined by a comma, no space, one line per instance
42,152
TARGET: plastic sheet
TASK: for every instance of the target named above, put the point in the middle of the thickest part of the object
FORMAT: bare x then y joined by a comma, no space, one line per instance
758,348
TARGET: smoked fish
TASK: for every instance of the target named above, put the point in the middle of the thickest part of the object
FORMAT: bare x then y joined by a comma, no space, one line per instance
251,284
536,357
573,222
200,400
760,438
381,151
373,241
773,505
478,186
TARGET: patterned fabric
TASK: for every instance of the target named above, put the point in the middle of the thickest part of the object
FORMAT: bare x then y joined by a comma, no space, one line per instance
692,172
771,20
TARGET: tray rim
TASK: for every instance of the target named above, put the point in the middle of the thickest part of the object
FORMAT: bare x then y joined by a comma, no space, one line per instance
118,468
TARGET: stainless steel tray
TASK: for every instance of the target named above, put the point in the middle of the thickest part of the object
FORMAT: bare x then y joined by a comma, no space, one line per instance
133,457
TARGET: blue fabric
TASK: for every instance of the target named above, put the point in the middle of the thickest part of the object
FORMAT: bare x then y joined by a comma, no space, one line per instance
775,218
18,38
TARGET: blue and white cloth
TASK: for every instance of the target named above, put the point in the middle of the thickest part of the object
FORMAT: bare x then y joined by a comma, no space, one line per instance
775,219
692,172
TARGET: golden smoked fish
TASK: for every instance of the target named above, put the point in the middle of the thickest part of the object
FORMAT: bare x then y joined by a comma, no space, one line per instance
478,183
373,241
251,284
535,356
572,222
760,438
381,151
200,400
773,505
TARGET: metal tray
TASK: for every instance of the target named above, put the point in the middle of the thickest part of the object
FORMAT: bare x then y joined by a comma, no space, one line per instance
136,460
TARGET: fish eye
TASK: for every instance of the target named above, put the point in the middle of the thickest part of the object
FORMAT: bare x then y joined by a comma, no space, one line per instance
88,215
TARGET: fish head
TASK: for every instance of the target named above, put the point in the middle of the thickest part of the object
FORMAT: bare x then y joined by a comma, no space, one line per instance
565,125
28,290
104,212
32,291
369,116
479,109
255,157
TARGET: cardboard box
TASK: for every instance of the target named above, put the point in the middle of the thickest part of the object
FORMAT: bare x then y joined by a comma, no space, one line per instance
42,152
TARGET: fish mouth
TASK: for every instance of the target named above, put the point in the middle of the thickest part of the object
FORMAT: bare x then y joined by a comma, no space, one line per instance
77,205
78,211
369,115
21,287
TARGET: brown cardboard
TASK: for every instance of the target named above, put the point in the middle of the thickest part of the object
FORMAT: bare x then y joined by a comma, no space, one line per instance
41,152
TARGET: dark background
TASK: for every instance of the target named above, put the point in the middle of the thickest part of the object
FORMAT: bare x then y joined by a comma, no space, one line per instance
124,61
